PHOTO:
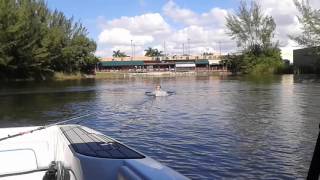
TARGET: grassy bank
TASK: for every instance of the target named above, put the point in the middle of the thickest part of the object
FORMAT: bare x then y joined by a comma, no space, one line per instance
107,75
58,76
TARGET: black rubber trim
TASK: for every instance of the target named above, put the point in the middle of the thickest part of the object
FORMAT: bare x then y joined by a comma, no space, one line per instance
97,145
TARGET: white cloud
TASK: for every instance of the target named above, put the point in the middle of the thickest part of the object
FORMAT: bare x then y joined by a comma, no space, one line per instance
285,14
202,39
287,51
178,14
204,30
213,18
151,23
121,36
104,52
143,30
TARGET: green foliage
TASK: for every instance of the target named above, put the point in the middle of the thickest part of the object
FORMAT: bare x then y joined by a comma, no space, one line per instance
234,63
207,53
250,27
153,52
310,20
253,32
268,62
36,42
118,53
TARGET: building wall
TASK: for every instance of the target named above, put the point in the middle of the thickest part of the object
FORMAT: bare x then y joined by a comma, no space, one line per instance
179,63
140,58
167,58
305,60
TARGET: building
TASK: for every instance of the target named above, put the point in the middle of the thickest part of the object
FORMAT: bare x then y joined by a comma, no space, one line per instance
306,60
163,63
185,66
164,58
121,65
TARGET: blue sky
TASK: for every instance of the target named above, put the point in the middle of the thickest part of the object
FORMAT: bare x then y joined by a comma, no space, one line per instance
89,10
152,23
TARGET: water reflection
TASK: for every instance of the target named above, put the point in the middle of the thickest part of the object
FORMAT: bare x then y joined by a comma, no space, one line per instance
25,104
214,127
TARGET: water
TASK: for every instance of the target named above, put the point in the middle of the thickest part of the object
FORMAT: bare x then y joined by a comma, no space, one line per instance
212,128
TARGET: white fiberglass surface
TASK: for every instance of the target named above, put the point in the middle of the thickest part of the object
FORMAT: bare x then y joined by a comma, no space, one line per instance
29,176
17,161
30,151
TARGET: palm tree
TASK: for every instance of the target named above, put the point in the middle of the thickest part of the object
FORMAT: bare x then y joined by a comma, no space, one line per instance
118,53
150,52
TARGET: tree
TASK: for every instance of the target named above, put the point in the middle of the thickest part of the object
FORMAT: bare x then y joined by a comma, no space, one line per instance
233,62
36,42
252,30
207,54
153,52
310,20
118,53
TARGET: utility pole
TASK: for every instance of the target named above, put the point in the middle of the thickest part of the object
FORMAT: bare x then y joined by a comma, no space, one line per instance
164,49
223,66
131,51
182,49
220,48
134,51
188,46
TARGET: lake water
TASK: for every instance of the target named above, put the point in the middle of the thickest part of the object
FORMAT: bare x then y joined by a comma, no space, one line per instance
212,128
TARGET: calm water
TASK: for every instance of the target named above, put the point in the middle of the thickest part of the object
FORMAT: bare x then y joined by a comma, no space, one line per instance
212,128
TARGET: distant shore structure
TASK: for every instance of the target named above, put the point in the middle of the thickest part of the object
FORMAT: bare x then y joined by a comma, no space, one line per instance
305,61
175,63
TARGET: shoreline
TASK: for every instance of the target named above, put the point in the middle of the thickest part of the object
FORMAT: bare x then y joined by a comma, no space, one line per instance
115,75
106,75
122,74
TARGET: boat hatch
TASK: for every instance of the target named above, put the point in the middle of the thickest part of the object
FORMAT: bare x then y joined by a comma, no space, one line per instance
17,160
97,145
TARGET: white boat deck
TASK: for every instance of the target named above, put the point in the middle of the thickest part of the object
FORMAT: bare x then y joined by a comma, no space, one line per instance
27,156
80,152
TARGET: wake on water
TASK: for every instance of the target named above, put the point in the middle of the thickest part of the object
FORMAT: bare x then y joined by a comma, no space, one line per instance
159,93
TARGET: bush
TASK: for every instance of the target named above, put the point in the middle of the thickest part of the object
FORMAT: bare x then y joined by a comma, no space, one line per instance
255,61
267,62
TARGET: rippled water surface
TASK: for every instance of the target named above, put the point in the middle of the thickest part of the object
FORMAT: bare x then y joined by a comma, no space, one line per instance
212,128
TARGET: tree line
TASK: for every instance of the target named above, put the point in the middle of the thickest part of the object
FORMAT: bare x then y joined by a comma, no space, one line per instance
36,42
254,33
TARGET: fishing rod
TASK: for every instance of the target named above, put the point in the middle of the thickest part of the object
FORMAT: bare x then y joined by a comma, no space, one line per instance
44,127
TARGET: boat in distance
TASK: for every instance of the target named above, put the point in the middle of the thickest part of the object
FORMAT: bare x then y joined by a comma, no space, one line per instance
73,152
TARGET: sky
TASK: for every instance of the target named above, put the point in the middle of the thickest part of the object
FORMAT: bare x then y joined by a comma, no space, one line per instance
172,26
